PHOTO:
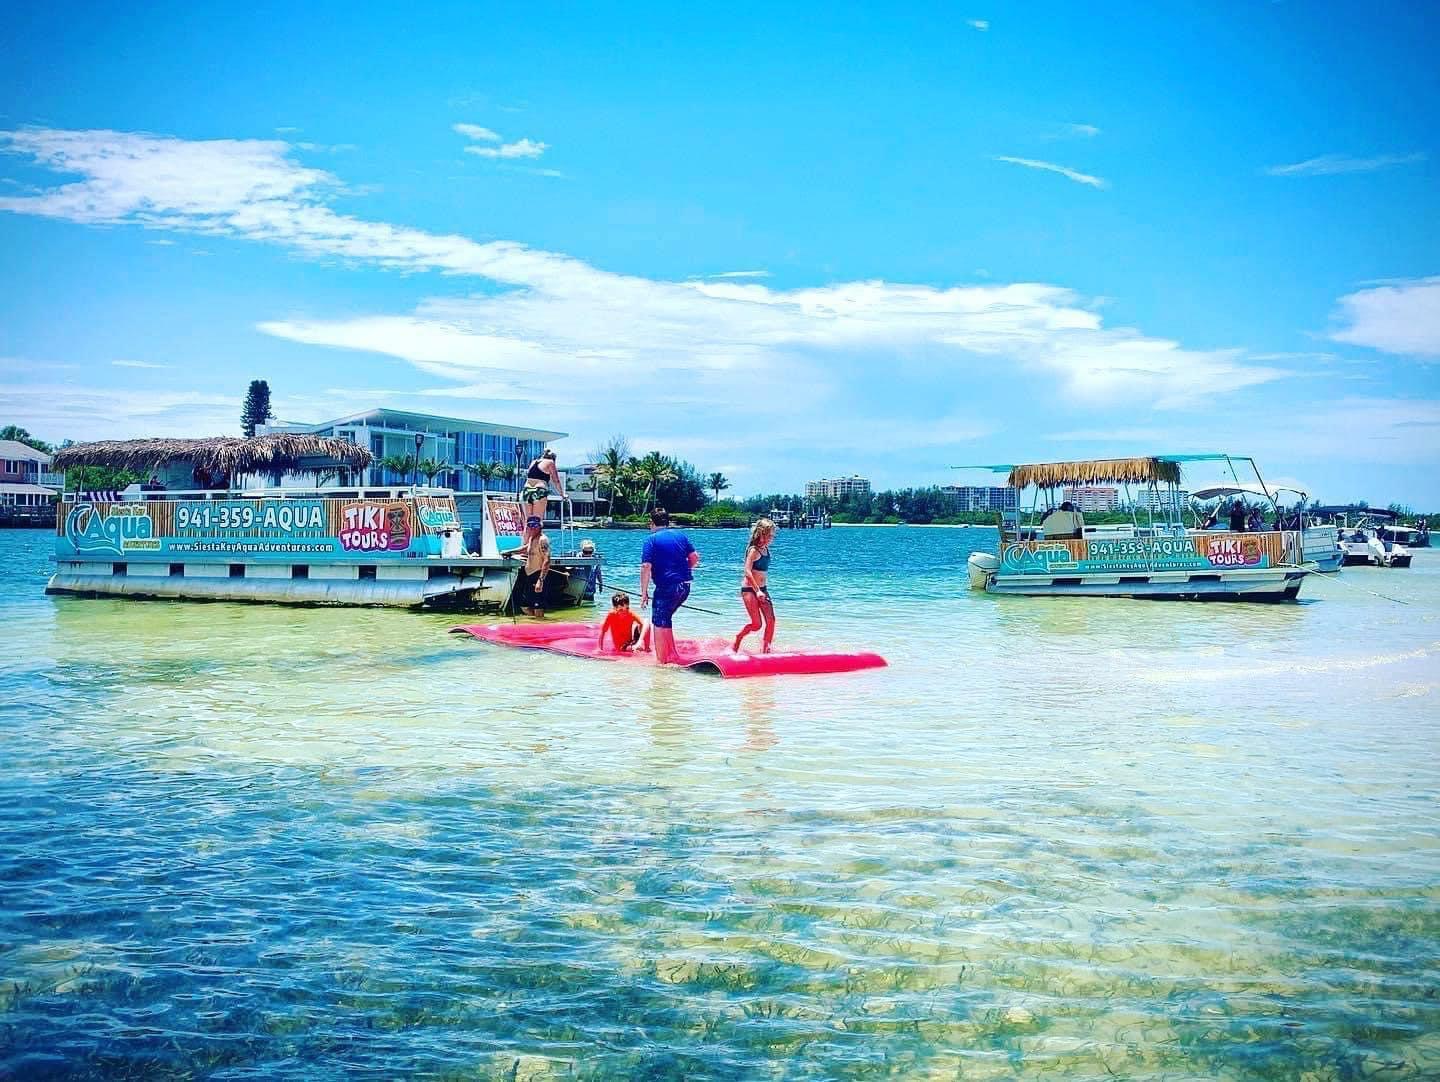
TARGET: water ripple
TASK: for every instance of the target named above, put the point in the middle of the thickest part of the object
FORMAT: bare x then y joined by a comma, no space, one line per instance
258,843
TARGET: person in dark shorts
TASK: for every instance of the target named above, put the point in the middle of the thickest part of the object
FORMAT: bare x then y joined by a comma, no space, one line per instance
531,587
668,560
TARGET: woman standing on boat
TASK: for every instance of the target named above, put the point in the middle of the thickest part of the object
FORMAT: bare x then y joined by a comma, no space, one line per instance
536,493
754,588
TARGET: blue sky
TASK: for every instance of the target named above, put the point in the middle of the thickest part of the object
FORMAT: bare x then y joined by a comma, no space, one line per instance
780,244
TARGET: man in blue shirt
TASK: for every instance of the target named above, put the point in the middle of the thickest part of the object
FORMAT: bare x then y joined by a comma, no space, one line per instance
667,559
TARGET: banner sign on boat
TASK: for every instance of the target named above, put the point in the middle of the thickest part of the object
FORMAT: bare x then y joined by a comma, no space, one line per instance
507,516
259,529
1203,552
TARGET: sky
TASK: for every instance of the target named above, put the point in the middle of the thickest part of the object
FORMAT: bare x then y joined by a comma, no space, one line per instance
781,244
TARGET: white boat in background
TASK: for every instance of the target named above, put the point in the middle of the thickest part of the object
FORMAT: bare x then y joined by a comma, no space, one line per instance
1319,543
1055,553
1369,536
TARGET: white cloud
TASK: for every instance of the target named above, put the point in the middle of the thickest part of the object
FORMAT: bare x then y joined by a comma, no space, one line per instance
979,24
1051,167
742,274
549,327
521,148
138,364
1375,430
1086,131
70,411
1332,164
476,132
1402,317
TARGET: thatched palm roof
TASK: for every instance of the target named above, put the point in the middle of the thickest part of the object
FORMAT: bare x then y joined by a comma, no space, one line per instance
276,453
1096,471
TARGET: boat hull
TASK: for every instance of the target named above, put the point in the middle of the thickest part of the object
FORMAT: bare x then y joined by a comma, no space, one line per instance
1248,584
1361,555
460,586
1266,585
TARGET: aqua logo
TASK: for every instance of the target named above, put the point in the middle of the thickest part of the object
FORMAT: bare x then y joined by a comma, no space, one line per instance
105,535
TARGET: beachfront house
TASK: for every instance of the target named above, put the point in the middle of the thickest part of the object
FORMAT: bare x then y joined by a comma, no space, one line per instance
584,487
28,487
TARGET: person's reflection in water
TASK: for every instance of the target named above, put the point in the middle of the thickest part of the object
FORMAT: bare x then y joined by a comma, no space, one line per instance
757,705
667,708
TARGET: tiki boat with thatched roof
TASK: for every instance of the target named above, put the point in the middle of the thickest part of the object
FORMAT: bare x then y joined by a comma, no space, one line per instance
225,519
1048,549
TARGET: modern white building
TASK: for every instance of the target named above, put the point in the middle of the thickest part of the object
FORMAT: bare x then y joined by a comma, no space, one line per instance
983,497
1095,498
457,442
837,489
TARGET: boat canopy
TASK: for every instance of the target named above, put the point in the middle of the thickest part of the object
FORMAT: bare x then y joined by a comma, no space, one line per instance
1220,491
1151,469
1096,471
279,452
1351,509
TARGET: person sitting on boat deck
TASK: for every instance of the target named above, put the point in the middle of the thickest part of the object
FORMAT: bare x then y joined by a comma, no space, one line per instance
1237,517
1063,523
622,625
1210,519
1255,521
536,493
531,586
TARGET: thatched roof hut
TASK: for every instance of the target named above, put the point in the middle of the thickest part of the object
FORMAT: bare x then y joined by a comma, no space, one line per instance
1097,471
277,453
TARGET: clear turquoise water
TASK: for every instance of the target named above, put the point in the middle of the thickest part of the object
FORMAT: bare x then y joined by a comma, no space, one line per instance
1077,839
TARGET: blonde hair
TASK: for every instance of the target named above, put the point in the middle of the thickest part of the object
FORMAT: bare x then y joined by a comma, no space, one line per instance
763,528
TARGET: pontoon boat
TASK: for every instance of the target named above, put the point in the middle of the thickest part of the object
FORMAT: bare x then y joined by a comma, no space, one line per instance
1157,559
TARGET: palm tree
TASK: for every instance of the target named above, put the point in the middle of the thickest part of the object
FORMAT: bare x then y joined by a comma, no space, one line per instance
717,483
504,471
654,470
609,468
430,467
485,471
404,465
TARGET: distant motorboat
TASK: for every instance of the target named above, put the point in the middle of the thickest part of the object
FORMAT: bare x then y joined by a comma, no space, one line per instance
1369,536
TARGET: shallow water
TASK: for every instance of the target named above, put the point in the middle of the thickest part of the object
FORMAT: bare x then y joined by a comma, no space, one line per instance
1077,838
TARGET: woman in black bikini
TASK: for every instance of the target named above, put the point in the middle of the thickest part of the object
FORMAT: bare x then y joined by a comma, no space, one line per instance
536,493
754,591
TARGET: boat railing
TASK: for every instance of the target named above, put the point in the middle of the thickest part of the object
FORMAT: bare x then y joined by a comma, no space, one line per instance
140,494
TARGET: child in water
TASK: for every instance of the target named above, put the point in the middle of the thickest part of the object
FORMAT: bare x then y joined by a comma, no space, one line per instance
622,625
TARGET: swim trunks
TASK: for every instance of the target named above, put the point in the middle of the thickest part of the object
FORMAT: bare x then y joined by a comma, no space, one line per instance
667,600
532,493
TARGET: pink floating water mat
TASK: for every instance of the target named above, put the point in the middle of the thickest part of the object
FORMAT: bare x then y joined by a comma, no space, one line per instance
712,656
